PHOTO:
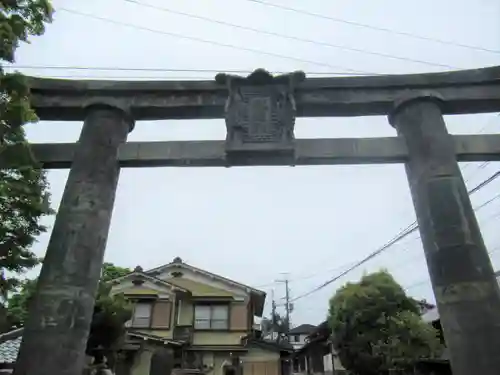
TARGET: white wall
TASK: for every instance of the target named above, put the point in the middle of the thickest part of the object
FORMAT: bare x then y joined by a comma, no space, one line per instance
298,343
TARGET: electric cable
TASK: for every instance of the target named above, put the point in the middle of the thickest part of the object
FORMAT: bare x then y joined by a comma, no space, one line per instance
290,37
143,69
402,234
372,27
207,41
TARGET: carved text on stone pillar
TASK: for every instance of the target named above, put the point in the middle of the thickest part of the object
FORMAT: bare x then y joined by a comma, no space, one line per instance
260,115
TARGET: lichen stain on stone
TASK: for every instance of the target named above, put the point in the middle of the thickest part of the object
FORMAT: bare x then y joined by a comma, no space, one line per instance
447,214
463,292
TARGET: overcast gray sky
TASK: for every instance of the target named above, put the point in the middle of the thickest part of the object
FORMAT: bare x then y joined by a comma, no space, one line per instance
251,224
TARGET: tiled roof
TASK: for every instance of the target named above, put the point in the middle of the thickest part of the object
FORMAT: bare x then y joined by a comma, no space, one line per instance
303,328
9,350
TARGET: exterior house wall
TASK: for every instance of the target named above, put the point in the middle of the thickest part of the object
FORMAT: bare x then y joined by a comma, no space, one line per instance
298,341
261,362
327,363
219,360
255,362
186,312
202,279
238,316
142,363
217,338
127,287
162,321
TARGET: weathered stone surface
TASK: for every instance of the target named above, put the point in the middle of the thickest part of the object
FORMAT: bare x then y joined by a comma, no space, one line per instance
467,91
260,115
462,276
307,152
55,336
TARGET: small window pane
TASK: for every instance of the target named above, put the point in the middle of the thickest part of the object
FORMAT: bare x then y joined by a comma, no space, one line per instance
142,310
211,317
142,315
202,323
140,322
219,324
202,312
219,312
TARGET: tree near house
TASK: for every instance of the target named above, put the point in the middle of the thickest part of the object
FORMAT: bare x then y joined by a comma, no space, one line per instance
110,313
23,187
275,323
377,327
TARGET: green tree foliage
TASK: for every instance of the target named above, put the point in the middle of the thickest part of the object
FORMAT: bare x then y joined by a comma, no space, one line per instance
23,188
377,327
110,312
18,302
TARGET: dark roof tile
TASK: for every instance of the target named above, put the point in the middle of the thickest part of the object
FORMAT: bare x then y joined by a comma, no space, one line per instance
303,328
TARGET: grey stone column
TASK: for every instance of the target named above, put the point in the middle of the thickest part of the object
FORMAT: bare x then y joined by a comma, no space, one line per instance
460,269
55,335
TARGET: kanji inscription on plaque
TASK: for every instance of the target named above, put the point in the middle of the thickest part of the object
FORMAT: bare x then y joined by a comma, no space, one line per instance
260,113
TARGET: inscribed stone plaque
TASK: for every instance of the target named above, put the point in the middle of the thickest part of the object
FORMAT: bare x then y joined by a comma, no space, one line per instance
260,115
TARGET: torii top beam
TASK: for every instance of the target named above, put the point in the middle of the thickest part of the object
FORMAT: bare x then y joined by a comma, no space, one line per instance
466,91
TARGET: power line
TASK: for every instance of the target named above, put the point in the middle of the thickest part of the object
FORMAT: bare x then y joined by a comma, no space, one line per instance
207,41
426,281
290,37
143,69
126,78
402,234
483,165
372,27
489,219
305,277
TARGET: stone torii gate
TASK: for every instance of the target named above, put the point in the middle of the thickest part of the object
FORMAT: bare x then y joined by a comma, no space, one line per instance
260,112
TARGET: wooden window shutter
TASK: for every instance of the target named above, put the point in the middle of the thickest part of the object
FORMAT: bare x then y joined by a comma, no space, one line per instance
162,312
239,317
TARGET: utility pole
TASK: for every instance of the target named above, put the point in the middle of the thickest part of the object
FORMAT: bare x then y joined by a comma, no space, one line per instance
288,306
273,314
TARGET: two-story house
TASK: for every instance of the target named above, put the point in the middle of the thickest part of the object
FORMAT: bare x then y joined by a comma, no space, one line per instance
204,320
299,334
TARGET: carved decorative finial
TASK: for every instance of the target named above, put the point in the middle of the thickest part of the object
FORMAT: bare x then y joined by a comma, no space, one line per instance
137,280
138,269
177,260
261,77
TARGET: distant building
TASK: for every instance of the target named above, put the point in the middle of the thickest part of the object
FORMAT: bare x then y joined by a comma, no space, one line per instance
299,334
317,356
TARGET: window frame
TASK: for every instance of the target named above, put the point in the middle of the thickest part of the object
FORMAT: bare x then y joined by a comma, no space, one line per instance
210,307
133,323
